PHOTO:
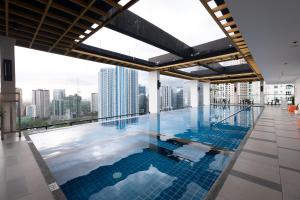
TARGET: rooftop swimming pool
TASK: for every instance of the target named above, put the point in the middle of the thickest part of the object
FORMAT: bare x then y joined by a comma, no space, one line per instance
174,155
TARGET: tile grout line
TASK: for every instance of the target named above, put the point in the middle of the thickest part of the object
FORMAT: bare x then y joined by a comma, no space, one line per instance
257,180
289,168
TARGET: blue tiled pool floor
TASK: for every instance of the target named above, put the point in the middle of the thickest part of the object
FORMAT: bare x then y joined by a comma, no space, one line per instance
174,155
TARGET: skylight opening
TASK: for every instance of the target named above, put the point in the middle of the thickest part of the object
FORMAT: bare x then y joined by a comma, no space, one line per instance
94,26
123,2
114,41
218,14
191,69
81,36
76,40
87,31
233,62
212,4
192,24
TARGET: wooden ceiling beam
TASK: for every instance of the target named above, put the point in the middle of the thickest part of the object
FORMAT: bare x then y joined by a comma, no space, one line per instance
50,14
6,17
41,22
69,11
198,60
226,76
143,67
228,15
228,24
236,80
85,5
46,22
219,8
106,21
25,23
74,22
113,3
232,30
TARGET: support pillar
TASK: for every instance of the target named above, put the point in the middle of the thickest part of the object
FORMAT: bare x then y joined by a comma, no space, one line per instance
261,93
204,94
235,94
154,94
194,92
8,85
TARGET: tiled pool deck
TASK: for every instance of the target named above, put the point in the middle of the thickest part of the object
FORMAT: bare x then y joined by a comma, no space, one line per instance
268,166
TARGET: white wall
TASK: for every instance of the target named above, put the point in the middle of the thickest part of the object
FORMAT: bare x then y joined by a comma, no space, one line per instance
204,94
194,92
154,92
297,91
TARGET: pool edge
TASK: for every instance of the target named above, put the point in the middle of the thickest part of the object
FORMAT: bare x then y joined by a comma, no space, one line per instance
215,189
54,188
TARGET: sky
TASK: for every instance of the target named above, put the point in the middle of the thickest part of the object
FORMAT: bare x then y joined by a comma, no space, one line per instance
187,20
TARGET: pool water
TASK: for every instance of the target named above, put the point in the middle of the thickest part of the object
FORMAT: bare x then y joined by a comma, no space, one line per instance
174,155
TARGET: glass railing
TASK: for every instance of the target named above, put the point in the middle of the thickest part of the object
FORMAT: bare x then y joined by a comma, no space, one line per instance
267,99
46,126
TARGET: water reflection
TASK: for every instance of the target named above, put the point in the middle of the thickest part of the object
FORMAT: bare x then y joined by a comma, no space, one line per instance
177,150
160,169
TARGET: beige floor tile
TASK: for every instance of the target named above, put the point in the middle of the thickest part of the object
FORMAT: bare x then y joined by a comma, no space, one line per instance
259,159
263,135
290,184
289,158
264,128
261,170
289,143
289,134
261,146
239,189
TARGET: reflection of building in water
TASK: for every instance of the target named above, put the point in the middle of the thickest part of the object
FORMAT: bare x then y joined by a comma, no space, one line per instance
121,123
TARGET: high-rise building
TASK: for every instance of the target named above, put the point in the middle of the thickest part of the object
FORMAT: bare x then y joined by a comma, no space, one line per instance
72,105
278,92
177,101
19,91
143,100
118,92
94,102
41,100
166,93
58,106
30,111
142,89
186,94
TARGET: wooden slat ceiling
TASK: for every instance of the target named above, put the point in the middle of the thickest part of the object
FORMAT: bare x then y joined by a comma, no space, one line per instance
59,26
222,16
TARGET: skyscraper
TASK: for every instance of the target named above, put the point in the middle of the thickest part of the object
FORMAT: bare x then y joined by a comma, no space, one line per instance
72,105
118,92
166,93
41,100
31,111
19,91
143,100
94,102
58,107
177,101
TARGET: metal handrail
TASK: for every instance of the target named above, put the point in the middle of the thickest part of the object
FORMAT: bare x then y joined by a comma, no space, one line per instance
71,123
231,115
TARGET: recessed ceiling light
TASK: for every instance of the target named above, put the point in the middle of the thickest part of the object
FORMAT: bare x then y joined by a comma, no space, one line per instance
87,31
76,40
81,36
